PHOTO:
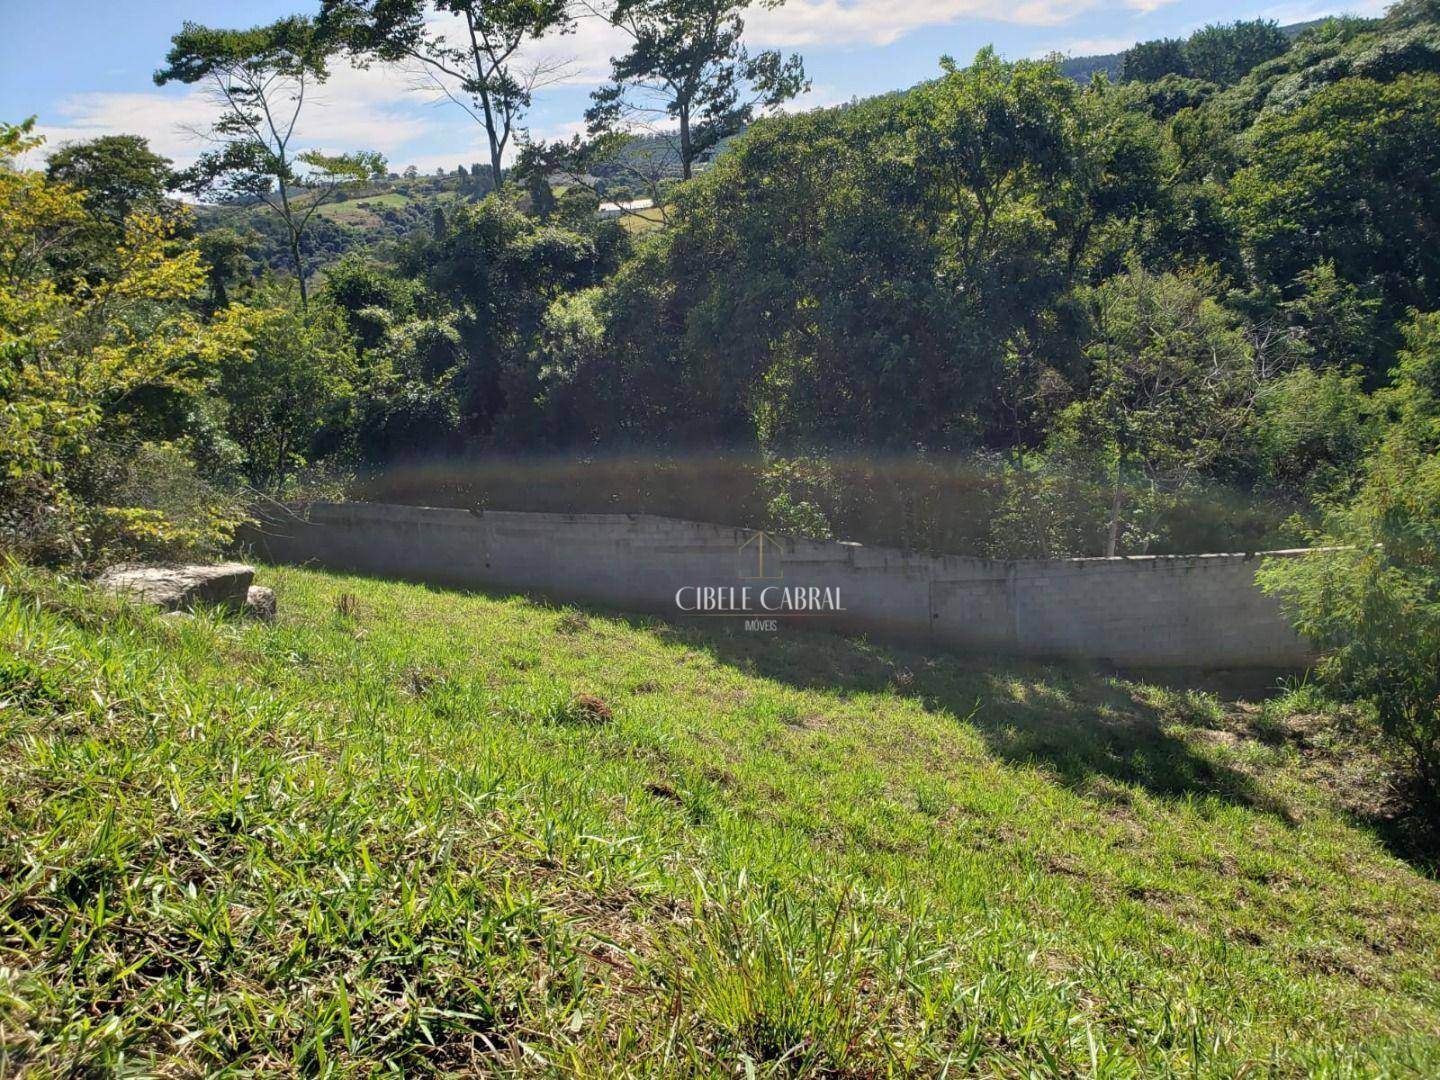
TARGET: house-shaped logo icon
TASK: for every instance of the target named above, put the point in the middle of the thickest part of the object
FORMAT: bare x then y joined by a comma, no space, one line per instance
760,558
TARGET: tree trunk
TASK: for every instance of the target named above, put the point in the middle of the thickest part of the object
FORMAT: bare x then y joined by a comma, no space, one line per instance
495,169
492,134
1112,539
685,150
299,270
295,256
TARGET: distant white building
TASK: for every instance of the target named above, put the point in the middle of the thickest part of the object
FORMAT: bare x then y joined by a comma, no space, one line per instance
608,211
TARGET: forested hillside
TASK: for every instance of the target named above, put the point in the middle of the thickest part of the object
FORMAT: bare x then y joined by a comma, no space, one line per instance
1124,303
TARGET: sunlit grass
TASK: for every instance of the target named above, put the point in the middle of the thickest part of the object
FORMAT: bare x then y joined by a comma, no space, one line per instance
443,832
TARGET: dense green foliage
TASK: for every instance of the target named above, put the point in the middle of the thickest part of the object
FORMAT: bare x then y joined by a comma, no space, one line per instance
99,357
1370,596
1120,298
385,833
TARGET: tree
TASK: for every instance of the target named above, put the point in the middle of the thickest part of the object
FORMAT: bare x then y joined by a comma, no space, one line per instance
294,379
1171,386
1350,181
1226,54
1151,61
259,78
501,269
1335,322
483,72
226,255
985,137
1312,432
117,175
1368,595
687,66
79,361
1117,172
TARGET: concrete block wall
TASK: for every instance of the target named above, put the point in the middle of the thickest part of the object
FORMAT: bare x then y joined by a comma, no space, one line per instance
1186,610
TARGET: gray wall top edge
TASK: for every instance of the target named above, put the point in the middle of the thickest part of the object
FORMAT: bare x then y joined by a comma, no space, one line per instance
401,511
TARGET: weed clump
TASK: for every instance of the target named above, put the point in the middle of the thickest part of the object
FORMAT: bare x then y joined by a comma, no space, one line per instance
589,709
572,621
551,704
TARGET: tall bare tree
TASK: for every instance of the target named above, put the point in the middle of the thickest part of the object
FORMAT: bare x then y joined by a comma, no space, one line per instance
259,78
688,76
470,49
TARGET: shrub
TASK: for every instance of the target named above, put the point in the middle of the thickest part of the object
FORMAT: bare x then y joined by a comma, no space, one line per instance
1370,598
86,364
163,509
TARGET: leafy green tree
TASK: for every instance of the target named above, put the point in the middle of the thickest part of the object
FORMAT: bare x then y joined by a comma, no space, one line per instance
1338,323
1168,96
1368,596
1351,179
373,298
1413,12
259,79
1312,431
293,381
688,66
501,269
1171,385
411,352
1224,54
226,255
480,68
1150,61
80,363
850,277
1117,174
117,175
986,137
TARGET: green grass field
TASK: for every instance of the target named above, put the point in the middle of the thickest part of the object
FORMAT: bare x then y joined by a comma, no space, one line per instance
384,834
350,212
643,220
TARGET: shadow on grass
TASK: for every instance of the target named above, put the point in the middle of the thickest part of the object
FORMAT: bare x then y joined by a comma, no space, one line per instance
1073,720
1076,721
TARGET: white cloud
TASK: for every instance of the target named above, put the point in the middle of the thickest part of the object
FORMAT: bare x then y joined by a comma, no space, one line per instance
161,118
565,130
883,22
1086,47
371,109
1145,7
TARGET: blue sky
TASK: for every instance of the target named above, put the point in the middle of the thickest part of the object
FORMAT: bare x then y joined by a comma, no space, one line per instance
84,67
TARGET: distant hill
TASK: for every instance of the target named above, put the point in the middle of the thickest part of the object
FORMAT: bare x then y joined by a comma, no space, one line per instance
382,213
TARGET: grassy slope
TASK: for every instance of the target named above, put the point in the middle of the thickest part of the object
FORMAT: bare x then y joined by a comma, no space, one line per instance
350,212
391,835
